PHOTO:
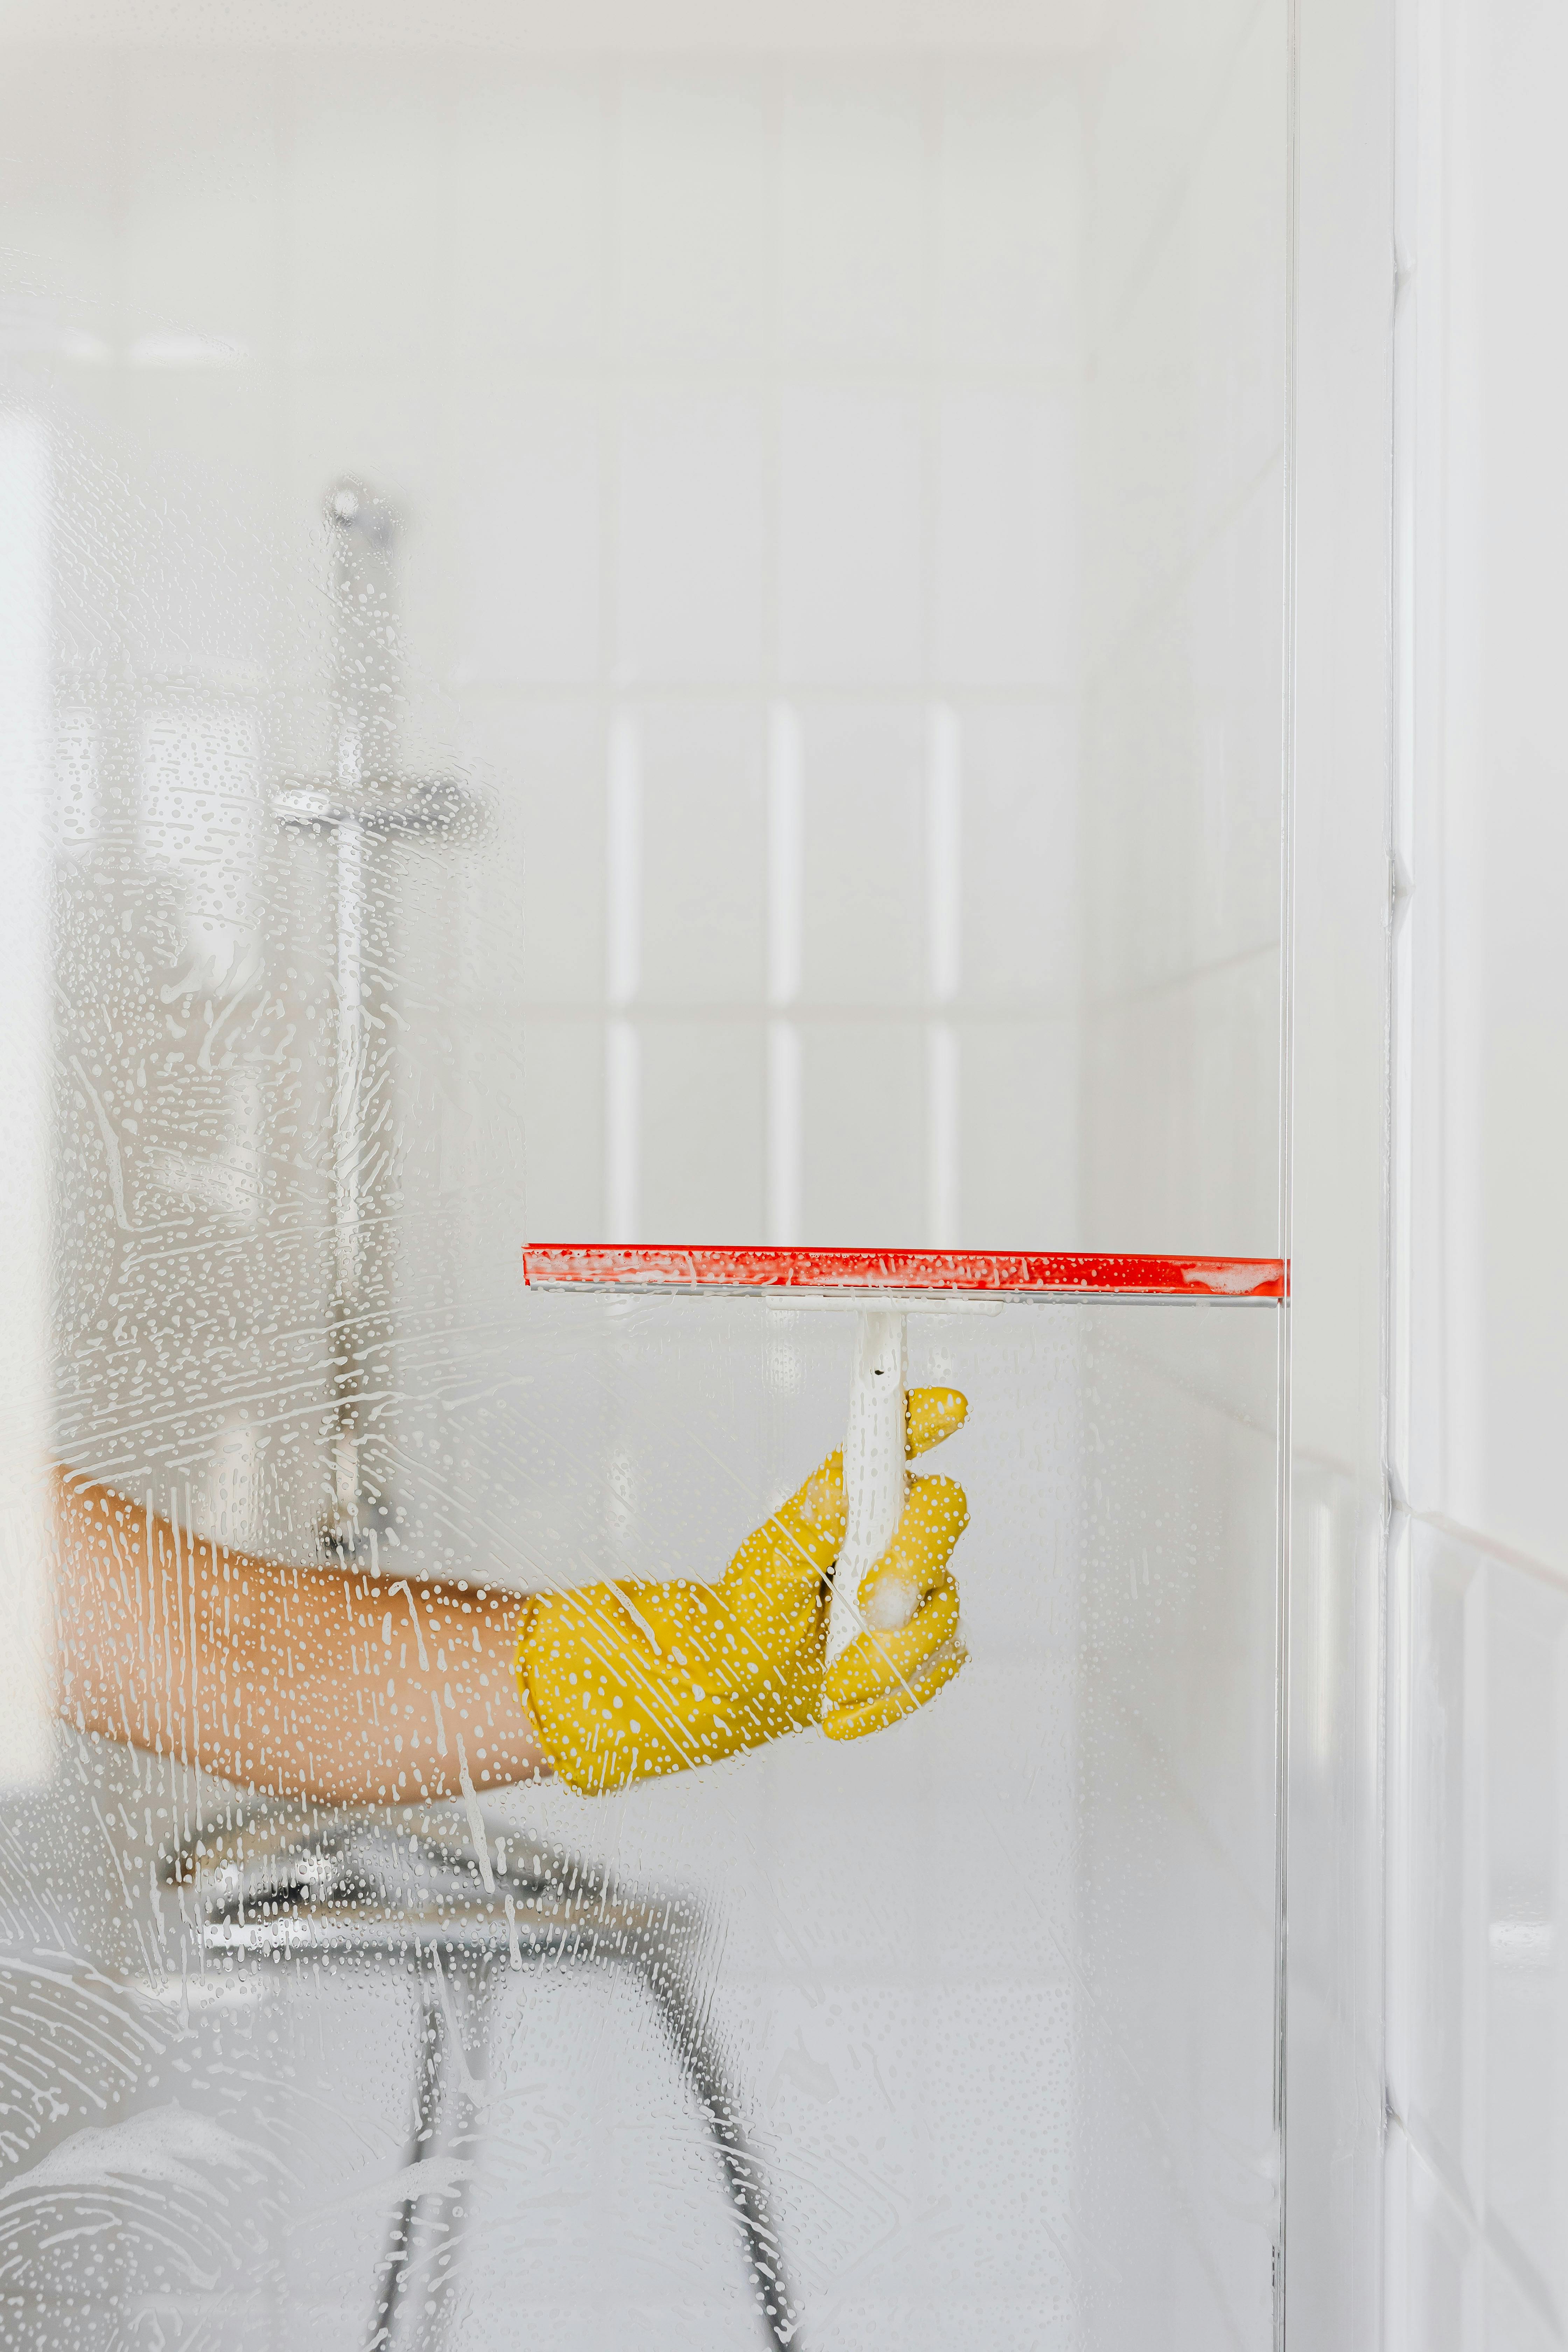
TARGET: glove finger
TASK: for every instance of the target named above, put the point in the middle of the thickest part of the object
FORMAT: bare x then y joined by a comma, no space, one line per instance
801,1542
935,1514
875,1663
887,1706
930,1415
796,1548
908,1597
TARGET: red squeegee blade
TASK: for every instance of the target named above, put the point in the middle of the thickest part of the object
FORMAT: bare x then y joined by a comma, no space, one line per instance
671,1265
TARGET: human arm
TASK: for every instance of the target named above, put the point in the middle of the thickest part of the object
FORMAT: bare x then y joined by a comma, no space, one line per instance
328,1684
320,1683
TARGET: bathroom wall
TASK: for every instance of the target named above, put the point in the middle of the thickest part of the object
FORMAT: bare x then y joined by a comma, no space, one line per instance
1183,549
793,461
1338,742
1478,1565
731,407
1183,798
840,535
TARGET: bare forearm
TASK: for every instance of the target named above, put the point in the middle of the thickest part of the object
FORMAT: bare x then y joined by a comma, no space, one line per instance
320,1683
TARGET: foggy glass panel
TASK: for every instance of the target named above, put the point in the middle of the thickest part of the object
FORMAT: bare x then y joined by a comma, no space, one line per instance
600,649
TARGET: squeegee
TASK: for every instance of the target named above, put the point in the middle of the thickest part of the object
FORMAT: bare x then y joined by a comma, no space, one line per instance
882,1288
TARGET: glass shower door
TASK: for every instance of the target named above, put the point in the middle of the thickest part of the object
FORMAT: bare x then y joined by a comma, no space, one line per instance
678,643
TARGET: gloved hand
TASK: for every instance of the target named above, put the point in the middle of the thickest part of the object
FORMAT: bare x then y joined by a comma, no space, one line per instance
627,1680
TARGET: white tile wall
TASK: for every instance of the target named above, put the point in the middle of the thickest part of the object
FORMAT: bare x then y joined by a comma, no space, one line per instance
1189,381
852,258
697,378
862,1086
1175,69
1006,466
59,201
1182,828
1018,1085
531,209
367,217
1478,2014
1335,2184
526,462
1513,2321
851,575
1180,1144
864,772
1444,2281
1527,1927
694,162
1479,2027
1445,1963
1009,252
703,852
701,1169
1183,551
564,1104
690,535
202,257
198,613
543,762
1020,918
1489,1004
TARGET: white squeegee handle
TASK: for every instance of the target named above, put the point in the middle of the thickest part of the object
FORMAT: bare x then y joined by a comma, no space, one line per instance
875,1477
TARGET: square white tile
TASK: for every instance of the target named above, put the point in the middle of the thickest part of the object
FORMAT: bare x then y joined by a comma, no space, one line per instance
1182,768
852,255
703,852
369,254
1526,1923
692,214
531,175
542,766
1443,2281
59,136
1187,404
1018,1135
1444,2019
1020,786
863,1094
864,918
1515,2320
1009,217
525,461
691,534
851,558
1007,531
205,205
1145,131
564,1126
1180,1115
703,1141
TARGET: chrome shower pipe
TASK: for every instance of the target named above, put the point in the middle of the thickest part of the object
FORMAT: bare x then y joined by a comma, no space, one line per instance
366,801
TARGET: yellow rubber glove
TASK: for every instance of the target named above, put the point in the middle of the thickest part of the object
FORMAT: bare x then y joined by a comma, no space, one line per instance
627,1680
